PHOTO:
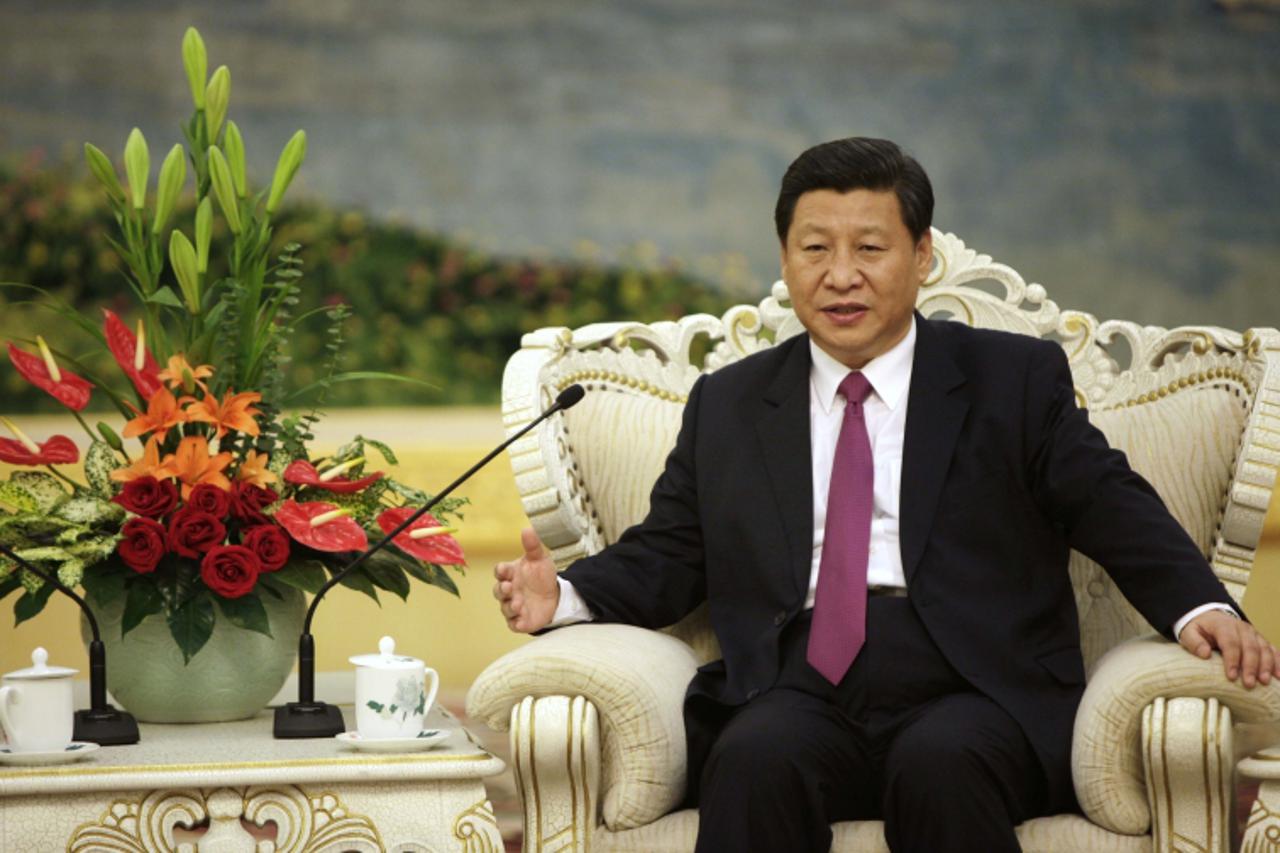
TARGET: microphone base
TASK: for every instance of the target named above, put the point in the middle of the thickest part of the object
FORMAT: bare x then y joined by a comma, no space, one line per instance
308,719
105,726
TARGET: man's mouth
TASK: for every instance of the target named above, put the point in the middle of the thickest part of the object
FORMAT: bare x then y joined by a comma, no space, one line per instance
846,310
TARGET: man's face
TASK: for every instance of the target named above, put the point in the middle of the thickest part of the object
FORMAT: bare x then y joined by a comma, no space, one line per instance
853,270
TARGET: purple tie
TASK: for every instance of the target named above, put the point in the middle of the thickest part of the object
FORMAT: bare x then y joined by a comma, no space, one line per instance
840,607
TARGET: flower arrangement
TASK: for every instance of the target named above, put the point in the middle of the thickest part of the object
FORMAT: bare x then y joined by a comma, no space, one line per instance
221,503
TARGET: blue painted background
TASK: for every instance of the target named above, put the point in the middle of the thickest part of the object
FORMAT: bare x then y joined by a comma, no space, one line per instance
1126,154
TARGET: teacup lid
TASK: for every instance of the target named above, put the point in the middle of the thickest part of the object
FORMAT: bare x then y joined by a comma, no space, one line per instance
386,658
40,667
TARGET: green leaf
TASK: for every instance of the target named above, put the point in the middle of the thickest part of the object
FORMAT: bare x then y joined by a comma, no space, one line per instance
246,612
376,706
144,600
381,448
165,296
191,625
359,581
440,578
355,376
9,584
308,575
105,583
273,589
91,512
18,498
45,488
99,462
31,604
71,572
386,574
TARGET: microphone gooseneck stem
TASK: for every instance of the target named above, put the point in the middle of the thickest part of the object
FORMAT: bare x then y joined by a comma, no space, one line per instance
564,401
97,676
51,578
307,668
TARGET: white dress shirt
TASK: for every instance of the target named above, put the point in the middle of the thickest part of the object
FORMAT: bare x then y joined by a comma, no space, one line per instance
885,414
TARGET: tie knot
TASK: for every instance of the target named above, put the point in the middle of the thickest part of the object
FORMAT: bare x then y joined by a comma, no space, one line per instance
855,387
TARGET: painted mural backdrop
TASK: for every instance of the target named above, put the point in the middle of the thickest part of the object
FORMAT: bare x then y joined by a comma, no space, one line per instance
1124,153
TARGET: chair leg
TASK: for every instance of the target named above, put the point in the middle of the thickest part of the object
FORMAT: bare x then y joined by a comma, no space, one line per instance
1187,755
555,750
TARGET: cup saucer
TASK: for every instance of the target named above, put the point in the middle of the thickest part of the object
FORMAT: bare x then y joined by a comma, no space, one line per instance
425,739
73,751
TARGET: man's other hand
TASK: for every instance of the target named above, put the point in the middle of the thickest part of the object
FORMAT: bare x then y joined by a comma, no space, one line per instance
1246,654
526,588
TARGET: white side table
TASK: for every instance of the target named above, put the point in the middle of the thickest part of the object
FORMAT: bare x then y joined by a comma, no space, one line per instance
1262,832
320,794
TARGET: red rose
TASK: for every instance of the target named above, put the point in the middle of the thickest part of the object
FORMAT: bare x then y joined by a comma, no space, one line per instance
143,544
207,497
148,497
271,545
192,532
230,570
248,501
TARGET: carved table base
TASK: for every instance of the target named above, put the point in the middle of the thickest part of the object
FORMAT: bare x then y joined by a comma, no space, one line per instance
330,802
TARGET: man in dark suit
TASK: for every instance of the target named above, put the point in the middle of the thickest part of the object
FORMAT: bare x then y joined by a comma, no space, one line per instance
879,515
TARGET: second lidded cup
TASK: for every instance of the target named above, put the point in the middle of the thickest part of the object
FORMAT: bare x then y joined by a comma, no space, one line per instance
392,695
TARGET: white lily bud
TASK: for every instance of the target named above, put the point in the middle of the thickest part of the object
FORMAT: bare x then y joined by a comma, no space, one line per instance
326,517
424,532
337,470
52,366
20,435
140,352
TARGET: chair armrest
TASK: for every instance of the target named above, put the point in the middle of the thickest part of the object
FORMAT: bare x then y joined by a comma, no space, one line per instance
1106,750
636,678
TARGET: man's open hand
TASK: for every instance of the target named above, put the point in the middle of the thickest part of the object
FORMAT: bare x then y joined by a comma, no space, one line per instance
1245,653
526,588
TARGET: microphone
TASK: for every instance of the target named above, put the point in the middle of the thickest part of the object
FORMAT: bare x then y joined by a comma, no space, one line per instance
308,718
101,722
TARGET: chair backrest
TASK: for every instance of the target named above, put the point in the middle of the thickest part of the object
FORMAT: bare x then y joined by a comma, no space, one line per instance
1196,409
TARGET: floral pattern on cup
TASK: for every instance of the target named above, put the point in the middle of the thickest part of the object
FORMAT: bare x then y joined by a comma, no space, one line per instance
410,698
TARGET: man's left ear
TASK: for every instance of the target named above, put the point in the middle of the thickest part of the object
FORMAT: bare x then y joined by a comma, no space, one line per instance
924,254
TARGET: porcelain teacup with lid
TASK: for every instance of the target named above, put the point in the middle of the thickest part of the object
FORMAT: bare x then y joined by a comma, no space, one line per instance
36,710
392,696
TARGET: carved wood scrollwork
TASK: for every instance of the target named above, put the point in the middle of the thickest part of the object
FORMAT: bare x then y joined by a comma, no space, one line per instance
304,824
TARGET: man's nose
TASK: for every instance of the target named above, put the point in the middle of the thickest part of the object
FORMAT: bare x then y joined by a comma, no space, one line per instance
844,272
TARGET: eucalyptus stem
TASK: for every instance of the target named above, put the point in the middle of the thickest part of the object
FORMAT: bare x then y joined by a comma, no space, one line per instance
63,476
93,436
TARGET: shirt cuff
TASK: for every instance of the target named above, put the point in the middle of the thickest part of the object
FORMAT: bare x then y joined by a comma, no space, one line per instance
1182,623
571,608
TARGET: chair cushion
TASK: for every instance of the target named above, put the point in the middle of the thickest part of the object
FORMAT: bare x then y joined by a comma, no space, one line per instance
1184,444
1067,833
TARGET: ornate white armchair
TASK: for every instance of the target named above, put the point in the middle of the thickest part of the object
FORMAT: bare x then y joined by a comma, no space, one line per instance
595,710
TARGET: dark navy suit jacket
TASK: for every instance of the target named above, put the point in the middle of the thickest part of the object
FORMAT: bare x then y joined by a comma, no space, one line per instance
1002,475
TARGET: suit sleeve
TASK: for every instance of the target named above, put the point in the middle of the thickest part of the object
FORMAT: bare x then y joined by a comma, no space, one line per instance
654,574
1108,511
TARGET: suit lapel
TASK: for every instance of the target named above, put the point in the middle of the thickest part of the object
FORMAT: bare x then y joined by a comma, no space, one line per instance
935,414
783,432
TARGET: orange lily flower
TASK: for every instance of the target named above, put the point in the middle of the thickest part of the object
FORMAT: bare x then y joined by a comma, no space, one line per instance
162,413
177,371
233,413
254,469
193,465
149,465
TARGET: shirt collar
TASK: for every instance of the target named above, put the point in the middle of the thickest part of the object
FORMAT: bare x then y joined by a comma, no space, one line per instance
889,373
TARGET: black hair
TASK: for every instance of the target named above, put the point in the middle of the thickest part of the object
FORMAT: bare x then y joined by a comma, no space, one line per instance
858,163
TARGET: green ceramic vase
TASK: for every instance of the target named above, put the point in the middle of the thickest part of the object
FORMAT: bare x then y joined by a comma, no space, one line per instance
232,678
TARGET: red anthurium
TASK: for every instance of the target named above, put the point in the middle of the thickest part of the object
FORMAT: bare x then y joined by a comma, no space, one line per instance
302,473
124,346
333,532
58,450
440,548
68,389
